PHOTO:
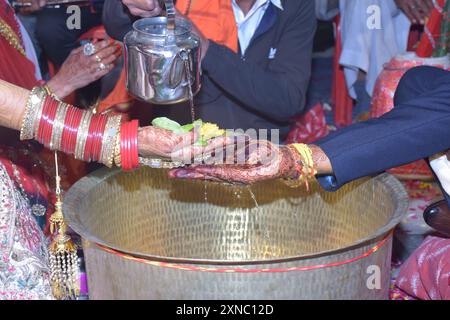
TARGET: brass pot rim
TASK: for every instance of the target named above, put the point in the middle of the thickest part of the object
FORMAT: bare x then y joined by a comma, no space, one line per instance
84,185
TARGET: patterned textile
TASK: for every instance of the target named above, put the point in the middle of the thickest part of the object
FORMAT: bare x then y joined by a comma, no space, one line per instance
426,274
411,232
24,272
309,127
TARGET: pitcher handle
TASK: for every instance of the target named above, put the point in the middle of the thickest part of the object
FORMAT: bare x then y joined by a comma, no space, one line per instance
178,69
170,13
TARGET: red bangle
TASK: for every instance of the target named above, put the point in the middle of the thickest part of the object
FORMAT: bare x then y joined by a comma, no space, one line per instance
46,122
123,147
41,121
129,145
98,138
50,122
65,134
89,139
71,129
134,144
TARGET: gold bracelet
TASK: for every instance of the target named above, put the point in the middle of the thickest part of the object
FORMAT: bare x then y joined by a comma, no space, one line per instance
51,93
58,126
35,101
307,165
38,112
82,135
109,140
117,155
117,138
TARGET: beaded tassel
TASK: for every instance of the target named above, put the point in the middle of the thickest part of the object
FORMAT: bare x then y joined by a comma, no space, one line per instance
62,252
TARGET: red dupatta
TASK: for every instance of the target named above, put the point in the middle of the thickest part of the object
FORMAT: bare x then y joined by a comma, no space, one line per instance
15,67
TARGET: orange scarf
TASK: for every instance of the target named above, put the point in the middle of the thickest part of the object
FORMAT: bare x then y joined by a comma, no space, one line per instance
214,18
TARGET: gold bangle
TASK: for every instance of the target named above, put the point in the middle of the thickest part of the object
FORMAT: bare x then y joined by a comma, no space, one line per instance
117,138
35,101
117,155
51,93
38,112
58,126
306,161
82,135
109,140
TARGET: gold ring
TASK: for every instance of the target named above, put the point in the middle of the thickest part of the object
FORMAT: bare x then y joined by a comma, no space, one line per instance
102,67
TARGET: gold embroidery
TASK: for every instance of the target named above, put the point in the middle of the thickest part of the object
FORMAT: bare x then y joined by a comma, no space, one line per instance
8,33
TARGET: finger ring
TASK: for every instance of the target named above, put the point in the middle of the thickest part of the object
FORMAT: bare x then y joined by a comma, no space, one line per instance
89,49
98,59
102,67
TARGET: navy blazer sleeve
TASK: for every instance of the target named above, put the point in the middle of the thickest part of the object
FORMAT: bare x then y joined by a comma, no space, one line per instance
418,127
278,92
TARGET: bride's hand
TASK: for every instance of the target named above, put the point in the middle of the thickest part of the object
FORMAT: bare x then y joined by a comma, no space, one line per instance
154,141
264,161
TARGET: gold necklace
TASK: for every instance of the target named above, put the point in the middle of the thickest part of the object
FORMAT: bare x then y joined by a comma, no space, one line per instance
8,33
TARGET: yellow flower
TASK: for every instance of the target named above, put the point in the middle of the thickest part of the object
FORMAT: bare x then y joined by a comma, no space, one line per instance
210,130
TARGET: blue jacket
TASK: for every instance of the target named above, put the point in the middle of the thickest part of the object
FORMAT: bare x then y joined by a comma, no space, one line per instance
417,128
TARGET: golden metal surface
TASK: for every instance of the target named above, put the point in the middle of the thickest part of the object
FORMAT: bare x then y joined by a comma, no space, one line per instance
147,214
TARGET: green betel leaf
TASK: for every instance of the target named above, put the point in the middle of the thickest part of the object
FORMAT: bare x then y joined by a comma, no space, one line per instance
187,127
166,123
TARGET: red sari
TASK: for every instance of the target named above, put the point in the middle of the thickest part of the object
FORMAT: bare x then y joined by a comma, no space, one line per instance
16,68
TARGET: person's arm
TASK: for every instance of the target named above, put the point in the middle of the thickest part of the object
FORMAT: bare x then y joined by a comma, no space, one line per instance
278,91
94,137
262,160
416,128
12,105
117,19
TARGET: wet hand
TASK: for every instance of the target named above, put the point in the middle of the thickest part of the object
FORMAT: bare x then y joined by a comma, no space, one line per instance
263,161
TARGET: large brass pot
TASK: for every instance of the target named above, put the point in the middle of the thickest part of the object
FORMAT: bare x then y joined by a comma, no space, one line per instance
148,237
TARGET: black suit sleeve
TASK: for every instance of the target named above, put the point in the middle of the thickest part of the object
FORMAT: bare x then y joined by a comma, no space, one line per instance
117,19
